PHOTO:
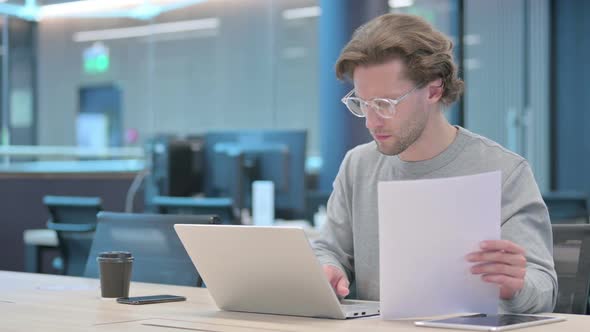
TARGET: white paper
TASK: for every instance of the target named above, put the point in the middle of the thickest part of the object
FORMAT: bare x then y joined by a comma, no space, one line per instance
426,228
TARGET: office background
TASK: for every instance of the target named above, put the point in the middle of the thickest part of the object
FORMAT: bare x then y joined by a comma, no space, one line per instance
260,64
96,83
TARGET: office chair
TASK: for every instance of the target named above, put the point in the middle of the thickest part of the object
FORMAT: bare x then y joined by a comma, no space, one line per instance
567,207
74,221
571,253
159,256
221,207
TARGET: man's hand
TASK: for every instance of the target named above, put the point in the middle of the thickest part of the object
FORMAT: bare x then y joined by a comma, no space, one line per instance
501,262
337,279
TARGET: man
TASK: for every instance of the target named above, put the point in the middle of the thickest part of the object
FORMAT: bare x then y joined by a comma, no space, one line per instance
404,77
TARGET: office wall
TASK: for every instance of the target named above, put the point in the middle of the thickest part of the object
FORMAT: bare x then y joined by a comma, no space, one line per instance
507,77
572,100
257,70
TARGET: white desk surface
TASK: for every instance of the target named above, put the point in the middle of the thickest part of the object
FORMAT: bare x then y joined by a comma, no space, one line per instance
39,302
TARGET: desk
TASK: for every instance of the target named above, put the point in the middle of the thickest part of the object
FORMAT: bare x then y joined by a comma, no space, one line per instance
22,208
38,302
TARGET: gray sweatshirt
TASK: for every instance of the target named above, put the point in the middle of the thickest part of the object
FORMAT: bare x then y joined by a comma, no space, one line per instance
349,239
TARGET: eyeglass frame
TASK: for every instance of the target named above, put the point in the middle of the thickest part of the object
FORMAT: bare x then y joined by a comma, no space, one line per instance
393,102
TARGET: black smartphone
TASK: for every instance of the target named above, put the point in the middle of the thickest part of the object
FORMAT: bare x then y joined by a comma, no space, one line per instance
151,299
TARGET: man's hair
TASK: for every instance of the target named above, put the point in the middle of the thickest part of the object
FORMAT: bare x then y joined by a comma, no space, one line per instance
426,52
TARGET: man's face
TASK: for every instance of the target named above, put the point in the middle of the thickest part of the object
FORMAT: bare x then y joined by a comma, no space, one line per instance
392,135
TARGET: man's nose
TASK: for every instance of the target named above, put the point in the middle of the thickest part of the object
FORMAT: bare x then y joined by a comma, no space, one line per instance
372,119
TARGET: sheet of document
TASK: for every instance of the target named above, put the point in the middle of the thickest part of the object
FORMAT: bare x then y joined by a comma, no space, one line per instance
426,228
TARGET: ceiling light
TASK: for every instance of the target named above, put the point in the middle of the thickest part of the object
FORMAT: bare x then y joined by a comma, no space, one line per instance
401,3
303,12
146,30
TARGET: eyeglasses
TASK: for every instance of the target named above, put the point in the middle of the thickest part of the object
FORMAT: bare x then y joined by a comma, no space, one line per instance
384,107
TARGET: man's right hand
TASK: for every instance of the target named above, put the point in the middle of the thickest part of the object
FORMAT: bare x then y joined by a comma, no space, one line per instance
337,279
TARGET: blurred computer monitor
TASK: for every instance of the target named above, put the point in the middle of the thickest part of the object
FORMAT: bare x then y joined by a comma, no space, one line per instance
234,159
175,165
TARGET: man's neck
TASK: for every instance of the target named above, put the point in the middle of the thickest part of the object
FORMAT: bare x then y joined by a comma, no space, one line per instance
437,136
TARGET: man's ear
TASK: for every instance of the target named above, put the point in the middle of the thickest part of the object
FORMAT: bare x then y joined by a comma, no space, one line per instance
435,91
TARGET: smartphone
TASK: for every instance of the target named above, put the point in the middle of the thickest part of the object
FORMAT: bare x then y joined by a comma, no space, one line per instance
151,299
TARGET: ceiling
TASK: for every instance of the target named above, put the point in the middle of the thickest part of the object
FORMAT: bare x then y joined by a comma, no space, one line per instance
38,10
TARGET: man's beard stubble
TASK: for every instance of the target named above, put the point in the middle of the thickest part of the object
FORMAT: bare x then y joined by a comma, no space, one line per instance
409,135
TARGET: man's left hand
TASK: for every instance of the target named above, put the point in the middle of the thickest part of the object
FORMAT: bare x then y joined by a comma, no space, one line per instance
500,262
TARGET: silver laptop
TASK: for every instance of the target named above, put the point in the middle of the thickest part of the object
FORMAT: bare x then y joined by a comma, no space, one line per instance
270,270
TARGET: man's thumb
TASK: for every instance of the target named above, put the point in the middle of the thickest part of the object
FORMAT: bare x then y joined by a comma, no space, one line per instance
342,287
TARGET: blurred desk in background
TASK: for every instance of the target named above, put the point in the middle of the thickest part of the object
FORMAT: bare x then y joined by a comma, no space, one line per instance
23,185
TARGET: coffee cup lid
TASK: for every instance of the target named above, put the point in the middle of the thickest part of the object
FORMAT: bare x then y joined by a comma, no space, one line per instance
115,255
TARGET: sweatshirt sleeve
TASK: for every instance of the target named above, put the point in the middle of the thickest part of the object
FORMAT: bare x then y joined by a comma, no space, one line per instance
525,221
335,245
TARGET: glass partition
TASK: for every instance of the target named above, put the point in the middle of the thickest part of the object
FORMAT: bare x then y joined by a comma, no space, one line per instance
114,74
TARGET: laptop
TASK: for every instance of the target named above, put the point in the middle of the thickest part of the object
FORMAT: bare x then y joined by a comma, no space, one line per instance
270,270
